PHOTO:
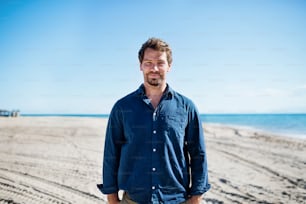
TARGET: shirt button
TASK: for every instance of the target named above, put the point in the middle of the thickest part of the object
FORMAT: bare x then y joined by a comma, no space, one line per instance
154,131
153,169
153,187
154,150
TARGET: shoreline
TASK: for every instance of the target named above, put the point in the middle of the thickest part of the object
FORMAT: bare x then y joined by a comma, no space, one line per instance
259,130
297,135
59,159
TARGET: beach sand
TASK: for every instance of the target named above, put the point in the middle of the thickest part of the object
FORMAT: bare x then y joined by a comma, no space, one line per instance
59,160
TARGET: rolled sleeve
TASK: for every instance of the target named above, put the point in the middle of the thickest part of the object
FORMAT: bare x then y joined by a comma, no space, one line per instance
197,152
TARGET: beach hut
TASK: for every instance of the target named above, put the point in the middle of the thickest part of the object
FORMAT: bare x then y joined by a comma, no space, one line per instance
6,113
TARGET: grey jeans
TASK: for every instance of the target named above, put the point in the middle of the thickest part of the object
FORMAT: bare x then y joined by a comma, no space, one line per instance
127,200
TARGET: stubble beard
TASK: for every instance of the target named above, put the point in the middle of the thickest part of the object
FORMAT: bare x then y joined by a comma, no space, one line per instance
154,81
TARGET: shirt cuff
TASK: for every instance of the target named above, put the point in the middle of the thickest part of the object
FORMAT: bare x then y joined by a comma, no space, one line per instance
200,191
108,190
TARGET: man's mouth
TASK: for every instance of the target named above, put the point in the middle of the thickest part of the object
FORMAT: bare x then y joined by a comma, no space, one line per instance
154,75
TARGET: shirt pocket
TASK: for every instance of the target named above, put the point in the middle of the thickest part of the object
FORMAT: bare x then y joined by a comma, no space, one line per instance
174,122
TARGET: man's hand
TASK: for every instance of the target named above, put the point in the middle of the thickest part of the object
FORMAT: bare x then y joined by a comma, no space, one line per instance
113,198
196,199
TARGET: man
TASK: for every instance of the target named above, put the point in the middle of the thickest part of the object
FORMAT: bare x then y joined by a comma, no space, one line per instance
154,146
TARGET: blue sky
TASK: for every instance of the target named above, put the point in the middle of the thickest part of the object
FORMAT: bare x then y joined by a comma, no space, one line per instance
78,56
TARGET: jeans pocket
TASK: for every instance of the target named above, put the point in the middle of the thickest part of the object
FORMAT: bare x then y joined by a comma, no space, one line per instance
126,199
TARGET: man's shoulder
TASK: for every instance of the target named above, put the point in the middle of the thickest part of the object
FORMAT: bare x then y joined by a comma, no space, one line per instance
129,97
182,98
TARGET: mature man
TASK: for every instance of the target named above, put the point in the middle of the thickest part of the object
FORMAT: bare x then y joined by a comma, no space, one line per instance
154,146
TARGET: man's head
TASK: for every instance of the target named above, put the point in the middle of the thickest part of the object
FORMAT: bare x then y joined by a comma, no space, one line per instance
155,59
158,45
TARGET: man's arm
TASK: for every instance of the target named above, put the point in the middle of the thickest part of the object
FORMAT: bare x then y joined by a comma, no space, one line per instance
113,198
197,152
196,199
112,152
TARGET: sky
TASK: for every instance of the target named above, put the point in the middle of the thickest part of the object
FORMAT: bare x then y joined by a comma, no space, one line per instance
80,56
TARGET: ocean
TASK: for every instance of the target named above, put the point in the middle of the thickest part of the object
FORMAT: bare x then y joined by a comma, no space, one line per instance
283,124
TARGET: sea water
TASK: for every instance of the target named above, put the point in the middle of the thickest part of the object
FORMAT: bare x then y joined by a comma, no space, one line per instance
283,124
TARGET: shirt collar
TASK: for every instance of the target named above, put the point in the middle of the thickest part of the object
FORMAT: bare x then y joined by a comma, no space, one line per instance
168,92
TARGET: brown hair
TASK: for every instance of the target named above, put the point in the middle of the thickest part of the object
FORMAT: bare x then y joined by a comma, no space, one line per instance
158,45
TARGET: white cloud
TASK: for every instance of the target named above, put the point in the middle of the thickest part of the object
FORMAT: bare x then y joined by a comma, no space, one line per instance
273,92
302,86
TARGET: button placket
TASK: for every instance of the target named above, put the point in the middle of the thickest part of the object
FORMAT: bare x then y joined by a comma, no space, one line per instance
155,157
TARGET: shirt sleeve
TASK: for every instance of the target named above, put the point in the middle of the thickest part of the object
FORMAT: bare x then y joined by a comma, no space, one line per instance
197,152
112,150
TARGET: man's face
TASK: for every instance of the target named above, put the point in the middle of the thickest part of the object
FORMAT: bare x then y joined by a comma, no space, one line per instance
154,67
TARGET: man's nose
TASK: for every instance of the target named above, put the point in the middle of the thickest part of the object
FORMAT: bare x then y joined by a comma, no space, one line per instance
155,67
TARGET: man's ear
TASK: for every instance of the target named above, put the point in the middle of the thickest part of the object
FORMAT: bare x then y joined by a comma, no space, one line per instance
169,68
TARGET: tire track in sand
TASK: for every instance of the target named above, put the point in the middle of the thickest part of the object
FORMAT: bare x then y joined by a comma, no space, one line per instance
300,183
16,187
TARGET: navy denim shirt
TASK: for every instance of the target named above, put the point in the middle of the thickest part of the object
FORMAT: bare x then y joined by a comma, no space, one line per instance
148,152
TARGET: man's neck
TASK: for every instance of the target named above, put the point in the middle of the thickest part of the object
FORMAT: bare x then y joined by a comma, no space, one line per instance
154,91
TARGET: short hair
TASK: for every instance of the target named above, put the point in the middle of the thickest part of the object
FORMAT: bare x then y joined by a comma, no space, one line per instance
158,45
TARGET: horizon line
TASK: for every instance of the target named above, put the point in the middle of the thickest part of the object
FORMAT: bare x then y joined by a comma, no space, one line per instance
107,114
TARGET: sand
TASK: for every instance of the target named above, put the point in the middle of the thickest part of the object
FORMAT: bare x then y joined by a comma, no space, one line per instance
59,160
